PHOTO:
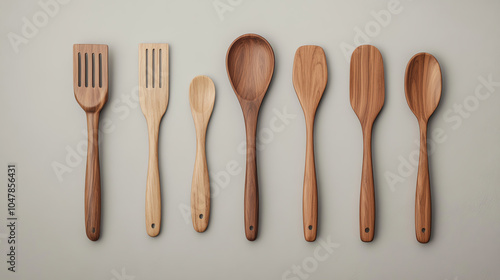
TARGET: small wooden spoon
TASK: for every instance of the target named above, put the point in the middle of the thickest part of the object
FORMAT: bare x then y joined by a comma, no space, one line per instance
310,75
423,84
201,98
367,93
250,67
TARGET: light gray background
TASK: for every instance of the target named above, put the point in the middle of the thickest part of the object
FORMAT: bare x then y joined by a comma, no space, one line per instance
41,121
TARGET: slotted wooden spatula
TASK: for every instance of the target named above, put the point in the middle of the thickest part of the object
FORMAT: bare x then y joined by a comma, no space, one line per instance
153,96
367,93
90,82
310,75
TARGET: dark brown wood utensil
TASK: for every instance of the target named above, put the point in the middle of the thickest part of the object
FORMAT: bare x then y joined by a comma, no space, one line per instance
367,94
90,82
250,67
423,84
310,75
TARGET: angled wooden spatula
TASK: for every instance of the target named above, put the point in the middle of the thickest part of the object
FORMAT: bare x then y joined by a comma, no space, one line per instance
310,75
153,96
90,82
367,93
201,99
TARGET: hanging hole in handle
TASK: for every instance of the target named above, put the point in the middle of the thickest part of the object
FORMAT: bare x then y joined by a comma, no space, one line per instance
367,230
201,216
251,227
423,230
93,230
310,227
153,225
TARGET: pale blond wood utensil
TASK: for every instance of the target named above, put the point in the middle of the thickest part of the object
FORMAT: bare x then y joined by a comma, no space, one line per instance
310,75
201,99
153,96
423,84
367,94
90,82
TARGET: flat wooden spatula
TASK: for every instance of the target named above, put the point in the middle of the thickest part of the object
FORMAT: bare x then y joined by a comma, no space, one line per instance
201,99
310,75
90,82
367,94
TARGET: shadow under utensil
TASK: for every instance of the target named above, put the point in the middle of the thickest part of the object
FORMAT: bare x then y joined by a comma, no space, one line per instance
375,155
321,206
207,153
430,128
263,106
104,144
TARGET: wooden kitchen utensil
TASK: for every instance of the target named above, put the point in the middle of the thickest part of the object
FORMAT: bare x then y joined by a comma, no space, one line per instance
367,94
90,82
201,99
423,84
153,96
250,67
310,75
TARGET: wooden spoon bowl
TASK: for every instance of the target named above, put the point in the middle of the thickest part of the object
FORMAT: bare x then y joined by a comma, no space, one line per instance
250,67
423,84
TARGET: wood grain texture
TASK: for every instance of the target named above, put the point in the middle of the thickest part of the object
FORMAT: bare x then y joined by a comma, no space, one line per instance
367,94
153,97
250,67
423,84
310,75
90,82
201,99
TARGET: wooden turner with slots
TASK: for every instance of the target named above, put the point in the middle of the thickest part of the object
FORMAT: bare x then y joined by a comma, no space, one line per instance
90,82
153,96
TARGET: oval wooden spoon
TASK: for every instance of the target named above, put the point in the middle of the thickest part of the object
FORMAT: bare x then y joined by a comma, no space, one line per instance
250,67
367,93
201,98
310,75
423,86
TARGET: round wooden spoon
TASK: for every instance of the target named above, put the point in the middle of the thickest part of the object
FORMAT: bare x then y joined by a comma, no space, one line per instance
310,75
423,86
250,67
367,93
201,98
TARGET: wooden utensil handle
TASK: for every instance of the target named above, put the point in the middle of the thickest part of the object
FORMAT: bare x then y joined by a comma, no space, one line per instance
423,194
367,193
153,192
310,191
93,180
251,182
200,189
